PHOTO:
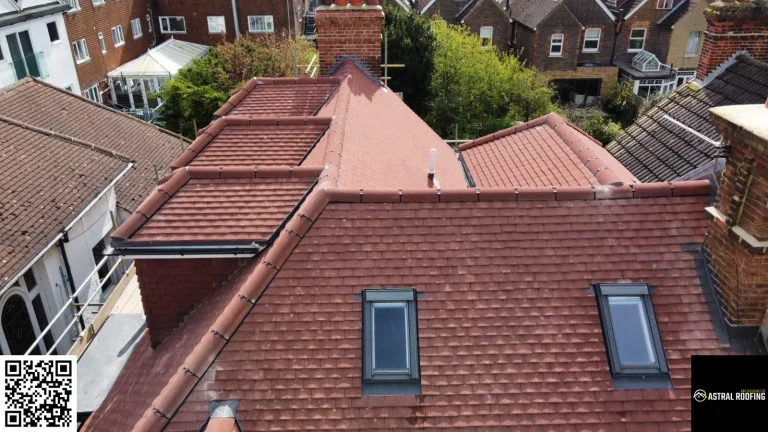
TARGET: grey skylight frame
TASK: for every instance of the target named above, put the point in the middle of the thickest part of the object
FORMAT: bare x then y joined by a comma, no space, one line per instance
391,383
632,377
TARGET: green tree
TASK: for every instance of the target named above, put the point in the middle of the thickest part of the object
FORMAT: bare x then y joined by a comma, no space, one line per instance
197,91
593,122
410,41
478,89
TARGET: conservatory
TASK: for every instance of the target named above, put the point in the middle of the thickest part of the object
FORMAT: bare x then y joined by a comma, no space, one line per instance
648,75
132,86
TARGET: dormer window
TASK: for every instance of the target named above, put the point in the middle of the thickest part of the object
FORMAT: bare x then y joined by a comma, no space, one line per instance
664,4
390,343
632,339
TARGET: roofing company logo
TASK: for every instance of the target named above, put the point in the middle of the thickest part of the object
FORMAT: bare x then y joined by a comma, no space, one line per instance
700,395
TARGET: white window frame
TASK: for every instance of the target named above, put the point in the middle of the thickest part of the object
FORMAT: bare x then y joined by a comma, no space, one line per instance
552,44
219,27
93,90
81,46
268,22
688,44
98,2
665,86
74,6
642,47
102,43
166,29
686,76
118,31
20,288
136,28
487,37
665,4
599,35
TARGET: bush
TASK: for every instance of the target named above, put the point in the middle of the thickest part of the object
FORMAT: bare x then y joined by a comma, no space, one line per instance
620,96
197,91
593,122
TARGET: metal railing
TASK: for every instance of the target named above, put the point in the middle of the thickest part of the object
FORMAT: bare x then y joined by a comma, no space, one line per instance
32,65
88,282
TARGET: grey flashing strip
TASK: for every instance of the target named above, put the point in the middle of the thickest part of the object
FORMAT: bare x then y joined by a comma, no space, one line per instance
250,248
642,382
467,173
392,388
32,13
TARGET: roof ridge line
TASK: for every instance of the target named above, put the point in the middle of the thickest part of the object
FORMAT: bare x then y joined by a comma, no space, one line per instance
721,68
552,193
202,356
502,133
335,136
102,106
67,138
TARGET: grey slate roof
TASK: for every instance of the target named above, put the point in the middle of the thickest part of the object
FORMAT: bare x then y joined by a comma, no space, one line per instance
531,12
654,148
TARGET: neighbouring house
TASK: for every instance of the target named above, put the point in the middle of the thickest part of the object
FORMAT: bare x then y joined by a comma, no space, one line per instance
57,224
105,34
57,211
134,84
208,22
267,275
676,139
34,42
587,45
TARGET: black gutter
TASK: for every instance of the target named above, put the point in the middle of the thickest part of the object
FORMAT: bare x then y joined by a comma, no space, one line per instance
32,13
68,269
288,217
149,248
467,173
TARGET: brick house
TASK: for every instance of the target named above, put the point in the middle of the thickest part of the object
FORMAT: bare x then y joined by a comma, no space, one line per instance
584,56
105,34
208,22
496,300
487,18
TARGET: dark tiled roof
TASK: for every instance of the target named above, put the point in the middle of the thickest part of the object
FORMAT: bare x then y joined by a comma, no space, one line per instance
655,148
45,181
34,102
674,15
531,12
212,204
273,97
506,320
263,141
547,151
472,4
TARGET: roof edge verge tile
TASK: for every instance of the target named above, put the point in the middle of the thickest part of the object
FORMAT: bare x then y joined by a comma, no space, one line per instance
554,193
502,133
335,134
205,352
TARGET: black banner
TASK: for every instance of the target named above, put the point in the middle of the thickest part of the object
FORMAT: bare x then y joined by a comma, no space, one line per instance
728,392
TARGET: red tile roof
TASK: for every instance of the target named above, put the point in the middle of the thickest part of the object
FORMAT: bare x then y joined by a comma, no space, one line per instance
37,103
508,335
272,97
206,204
262,141
45,181
547,151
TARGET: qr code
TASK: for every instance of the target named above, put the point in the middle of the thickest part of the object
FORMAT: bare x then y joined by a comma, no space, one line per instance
40,393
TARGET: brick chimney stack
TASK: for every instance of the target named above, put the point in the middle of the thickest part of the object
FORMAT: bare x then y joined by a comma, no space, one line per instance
733,26
349,28
737,237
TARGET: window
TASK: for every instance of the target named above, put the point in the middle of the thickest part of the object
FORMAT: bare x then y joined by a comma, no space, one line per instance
98,2
648,88
216,24
556,45
636,39
149,23
29,280
390,343
1,53
486,36
80,48
93,94
53,31
24,60
592,40
664,4
136,28
684,77
98,254
261,24
17,326
42,321
173,24
692,47
74,5
102,43
632,339
117,35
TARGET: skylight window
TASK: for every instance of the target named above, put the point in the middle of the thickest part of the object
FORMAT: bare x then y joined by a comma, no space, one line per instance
632,338
390,343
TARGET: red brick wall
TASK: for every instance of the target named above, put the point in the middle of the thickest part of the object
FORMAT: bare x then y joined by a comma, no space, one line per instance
561,20
351,31
489,14
172,288
725,36
742,275
90,20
